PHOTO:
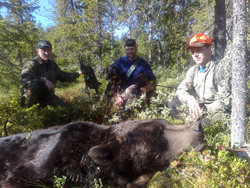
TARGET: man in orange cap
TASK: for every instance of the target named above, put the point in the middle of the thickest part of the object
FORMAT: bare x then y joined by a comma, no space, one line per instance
200,88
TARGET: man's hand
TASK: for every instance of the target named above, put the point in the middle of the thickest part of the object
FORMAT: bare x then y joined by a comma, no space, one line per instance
149,87
49,84
194,109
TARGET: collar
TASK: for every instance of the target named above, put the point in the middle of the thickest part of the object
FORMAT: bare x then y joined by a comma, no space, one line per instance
134,59
202,69
209,64
41,61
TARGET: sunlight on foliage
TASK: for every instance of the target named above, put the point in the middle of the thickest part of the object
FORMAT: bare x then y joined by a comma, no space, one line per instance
97,184
15,119
219,169
60,182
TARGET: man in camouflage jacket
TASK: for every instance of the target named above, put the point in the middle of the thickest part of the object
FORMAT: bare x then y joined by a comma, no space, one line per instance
201,89
39,77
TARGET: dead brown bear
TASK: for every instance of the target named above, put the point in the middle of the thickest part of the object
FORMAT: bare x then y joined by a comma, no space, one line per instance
126,154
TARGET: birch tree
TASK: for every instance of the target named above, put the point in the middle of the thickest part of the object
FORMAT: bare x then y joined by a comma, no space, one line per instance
239,75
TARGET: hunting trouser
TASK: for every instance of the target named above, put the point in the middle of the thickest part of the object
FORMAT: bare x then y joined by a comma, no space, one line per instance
33,93
175,103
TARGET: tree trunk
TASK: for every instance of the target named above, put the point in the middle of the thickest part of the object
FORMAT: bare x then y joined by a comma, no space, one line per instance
99,38
150,39
219,32
159,48
20,58
111,19
239,75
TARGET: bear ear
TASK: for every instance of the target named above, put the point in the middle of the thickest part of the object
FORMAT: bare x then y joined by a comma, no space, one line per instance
197,127
103,154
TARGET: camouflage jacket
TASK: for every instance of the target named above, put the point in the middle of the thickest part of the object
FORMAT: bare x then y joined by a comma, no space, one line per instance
205,88
35,70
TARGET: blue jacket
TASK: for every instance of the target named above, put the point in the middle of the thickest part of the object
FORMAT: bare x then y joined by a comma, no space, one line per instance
142,67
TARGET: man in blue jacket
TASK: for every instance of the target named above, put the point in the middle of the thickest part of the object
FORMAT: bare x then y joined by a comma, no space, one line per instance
131,66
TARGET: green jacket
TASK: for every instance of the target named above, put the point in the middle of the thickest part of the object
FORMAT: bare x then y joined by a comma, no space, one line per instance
35,71
204,88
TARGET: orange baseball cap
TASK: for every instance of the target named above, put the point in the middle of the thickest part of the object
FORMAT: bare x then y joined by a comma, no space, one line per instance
199,40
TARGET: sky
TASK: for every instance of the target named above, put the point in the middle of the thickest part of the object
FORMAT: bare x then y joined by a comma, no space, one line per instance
43,14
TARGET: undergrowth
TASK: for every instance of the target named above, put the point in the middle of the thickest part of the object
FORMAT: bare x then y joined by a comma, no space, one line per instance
215,167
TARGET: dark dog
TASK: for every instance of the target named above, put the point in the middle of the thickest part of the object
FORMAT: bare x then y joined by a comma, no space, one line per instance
115,76
89,77
141,80
123,155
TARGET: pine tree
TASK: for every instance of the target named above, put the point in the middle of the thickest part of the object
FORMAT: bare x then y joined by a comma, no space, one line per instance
87,30
17,40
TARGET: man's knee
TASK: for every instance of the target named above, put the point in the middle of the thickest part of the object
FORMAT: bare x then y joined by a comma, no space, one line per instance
174,103
131,91
32,89
30,94
57,101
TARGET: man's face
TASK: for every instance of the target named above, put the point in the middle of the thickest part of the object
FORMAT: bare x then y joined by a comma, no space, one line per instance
45,53
131,52
201,55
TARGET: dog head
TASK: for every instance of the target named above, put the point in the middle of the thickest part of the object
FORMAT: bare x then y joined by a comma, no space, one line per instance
141,80
86,70
113,74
